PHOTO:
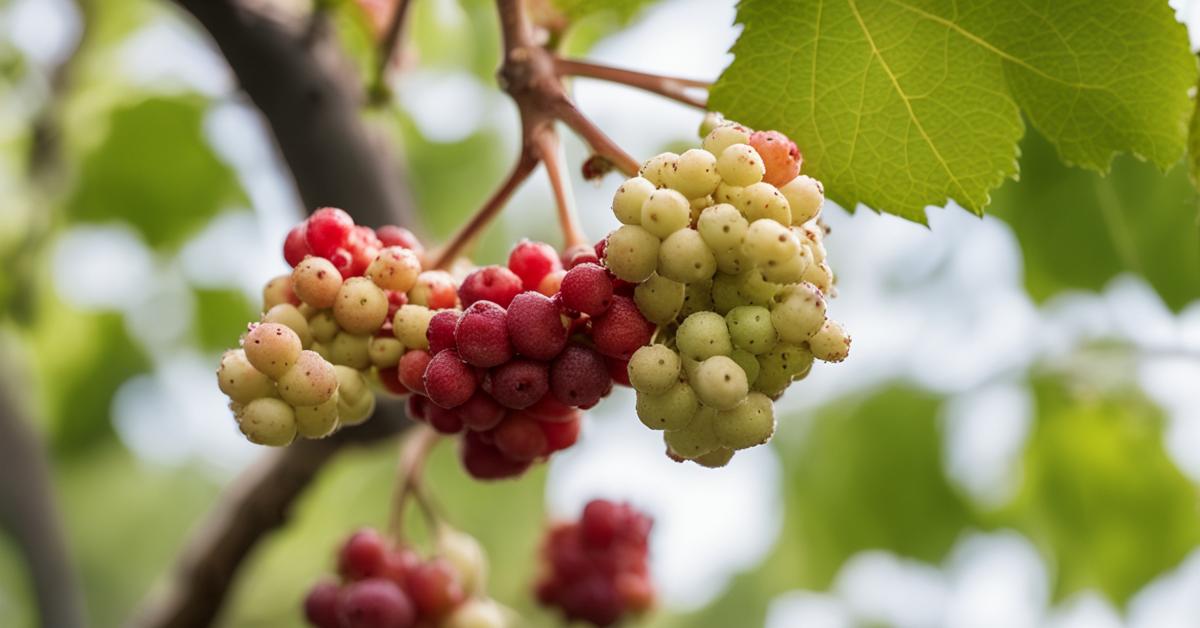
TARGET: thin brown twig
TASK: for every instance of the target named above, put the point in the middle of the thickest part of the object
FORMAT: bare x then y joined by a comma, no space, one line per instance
391,39
526,162
410,474
671,87
601,143
547,146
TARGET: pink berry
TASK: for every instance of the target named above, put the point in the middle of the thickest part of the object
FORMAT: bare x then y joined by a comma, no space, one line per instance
321,605
579,376
327,230
412,369
435,290
579,254
377,603
441,330
295,246
621,330
532,261
435,588
550,283
490,283
390,378
481,412
484,462
518,383
449,382
520,438
391,235
535,326
550,409
362,555
779,154
482,335
586,288
600,522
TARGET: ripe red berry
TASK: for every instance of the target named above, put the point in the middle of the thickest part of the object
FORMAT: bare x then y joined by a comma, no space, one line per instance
321,605
391,235
600,522
444,421
520,438
435,588
362,555
295,246
376,603
561,434
398,563
535,326
343,261
586,288
621,330
449,382
579,376
481,412
518,383
416,407
441,330
484,462
411,369
618,370
390,378
327,230
482,335
490,283
579,254
550,409
532,261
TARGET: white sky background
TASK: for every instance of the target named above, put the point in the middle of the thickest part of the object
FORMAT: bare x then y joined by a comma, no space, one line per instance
921,304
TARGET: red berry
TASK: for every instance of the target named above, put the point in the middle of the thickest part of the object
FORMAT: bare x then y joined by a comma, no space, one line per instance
532,261
327,230
343,261
600,522
579,376
484,462
444,421
321,605
518,383
600,247
416,407
396,300
482,335
520,438
412,369
779,154
398,563
621,330
481,412
449,382
618,370
550,409
390,378
636,591
435,588
593,600
490,283
295,246
376,603
435,290
551,283
586,288
561,434
391,235
362,555
535,326
441,330
579,254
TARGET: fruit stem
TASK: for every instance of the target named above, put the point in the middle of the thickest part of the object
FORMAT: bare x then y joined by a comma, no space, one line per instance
548,148
671,87
526,162
391,39
410,472
602,144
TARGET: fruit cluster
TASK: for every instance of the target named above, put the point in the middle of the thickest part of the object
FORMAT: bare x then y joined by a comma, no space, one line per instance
383,585
726,250
595,569
302,370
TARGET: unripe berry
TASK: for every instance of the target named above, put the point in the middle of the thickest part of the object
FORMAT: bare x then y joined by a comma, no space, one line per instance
384,351
740,165
289,315
316,281
695,173
318,421
831,343
665,212
653,369
361,307
268,421
323,326
805,195
684,257
240,381
632,253
467,556
656,168
720,383
350,350
411,324
279,290
749,424
272,348
799,314
310,381
627,202
395,268
673,409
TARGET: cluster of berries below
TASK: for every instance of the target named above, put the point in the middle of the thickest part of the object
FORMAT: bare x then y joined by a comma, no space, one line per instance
725,249
595,570
383,585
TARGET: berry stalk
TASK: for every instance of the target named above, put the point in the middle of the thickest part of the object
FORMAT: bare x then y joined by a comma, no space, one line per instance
547,146
671,87
526,162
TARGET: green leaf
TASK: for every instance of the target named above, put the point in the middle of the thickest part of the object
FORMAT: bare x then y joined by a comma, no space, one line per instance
221,317
1099,493
1078,230
901,104
1193,147
155,170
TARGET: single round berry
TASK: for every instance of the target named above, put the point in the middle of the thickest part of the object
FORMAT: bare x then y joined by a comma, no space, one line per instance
519,383
720,383
317,421
831,343
327,230
279,290
632,253
535,326
395,268
237,378
587,288
579,377
449,382
520,438
561,434
621,330
653,369
490,283
361,306
440,333
295,245
362,555
482,335
391,235
272,348
746,425
268,421
532,261
629,198
435,289
484,462
673,409
659,299
316,281
411,369
311,381
321,605
781,157
385,351
377,603
481,412
410,325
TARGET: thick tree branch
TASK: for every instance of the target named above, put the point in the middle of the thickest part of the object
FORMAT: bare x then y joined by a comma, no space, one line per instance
259,502
312,102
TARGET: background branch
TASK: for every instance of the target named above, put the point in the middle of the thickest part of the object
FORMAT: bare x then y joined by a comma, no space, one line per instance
665,86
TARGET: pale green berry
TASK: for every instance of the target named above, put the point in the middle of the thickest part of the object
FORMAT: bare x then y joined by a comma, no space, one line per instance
695,440
656,168
289,315
631,253
751,328
695,173
724,136
278,290
685,257
240,381
629,198
722,227
385,351
323,326
361,306
762,200
670,410
805,195
272,348
703,335
740,165
831,343
799,314
410,325
720,383
268,421
653,369
316,281
665,212
318,421
311,381
749,424
659,299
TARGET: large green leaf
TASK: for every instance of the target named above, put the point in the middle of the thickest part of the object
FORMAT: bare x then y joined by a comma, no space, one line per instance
156,171
901,104
1099,494
1078,230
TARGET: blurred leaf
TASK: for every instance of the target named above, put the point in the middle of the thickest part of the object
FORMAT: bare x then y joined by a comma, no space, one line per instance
456,36
904,104
1099,494
81,358
355,491
1078,230
155,170
221,317
16,594
126,521
591,21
